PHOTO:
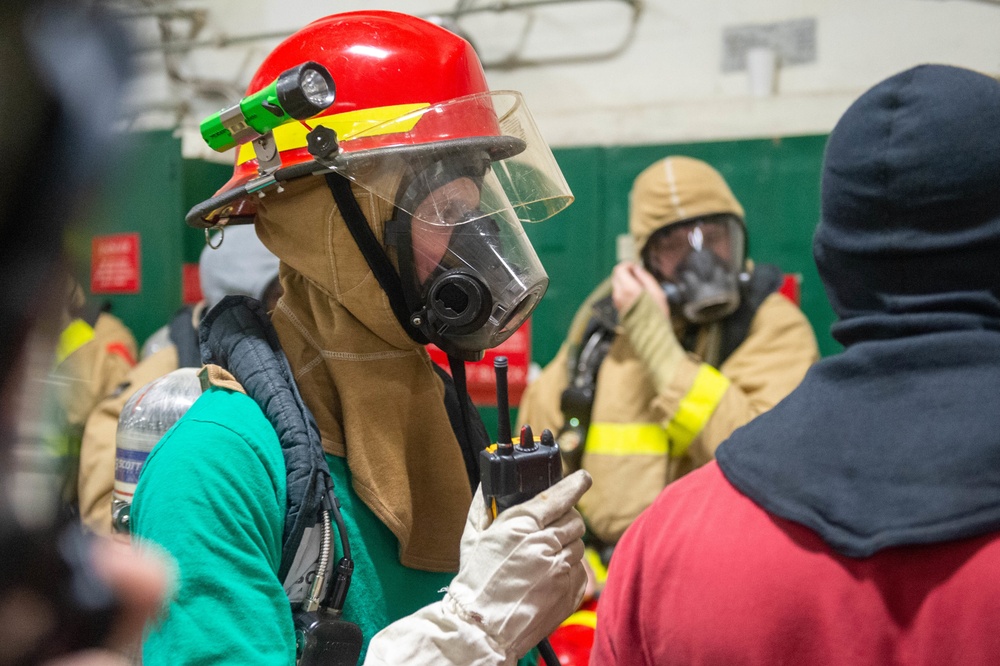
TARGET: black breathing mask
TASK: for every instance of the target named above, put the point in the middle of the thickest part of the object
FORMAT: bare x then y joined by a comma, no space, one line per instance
469,281
699,265
705,290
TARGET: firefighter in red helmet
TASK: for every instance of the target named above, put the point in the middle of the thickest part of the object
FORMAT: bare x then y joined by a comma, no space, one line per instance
396,213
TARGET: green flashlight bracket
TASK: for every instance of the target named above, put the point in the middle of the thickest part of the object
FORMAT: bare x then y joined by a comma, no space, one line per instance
268,158
321,143
264,147
234,121
268,163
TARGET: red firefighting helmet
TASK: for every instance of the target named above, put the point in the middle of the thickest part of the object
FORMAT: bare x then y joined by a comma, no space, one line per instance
406,89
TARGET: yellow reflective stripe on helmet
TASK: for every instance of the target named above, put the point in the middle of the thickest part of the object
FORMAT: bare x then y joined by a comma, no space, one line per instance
627,439
370,122
74,336
696,408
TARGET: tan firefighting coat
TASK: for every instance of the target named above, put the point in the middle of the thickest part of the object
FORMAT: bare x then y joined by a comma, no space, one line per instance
90,362
658,411
637,444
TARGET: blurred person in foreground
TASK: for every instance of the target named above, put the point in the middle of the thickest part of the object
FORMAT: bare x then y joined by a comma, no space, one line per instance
61,596
857,522
670,354
235,262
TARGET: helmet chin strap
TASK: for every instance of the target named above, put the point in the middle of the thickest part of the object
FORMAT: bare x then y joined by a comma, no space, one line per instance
373,253
391,283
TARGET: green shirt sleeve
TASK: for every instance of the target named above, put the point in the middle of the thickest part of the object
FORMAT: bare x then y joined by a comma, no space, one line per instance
212,494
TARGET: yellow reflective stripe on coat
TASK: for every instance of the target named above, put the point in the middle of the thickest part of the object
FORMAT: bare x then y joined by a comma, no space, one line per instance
586,618
627,439
593,559
630,439
696,408
74,336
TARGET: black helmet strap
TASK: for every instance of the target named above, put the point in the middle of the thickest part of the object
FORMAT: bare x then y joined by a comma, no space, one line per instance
373,252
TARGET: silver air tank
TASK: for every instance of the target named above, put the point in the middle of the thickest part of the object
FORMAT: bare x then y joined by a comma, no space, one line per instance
146,417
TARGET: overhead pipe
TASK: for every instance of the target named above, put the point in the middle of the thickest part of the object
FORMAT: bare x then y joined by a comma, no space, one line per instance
462,8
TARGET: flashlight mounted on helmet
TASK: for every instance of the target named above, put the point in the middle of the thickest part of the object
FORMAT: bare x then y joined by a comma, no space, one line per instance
298,93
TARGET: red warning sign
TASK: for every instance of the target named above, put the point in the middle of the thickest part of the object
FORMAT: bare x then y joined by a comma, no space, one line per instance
191,284
114,264
480,377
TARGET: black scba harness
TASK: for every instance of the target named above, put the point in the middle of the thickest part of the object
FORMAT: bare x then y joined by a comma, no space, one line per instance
237,335
577,401
184,336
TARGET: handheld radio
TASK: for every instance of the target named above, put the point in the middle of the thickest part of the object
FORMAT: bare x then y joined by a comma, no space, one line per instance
515,471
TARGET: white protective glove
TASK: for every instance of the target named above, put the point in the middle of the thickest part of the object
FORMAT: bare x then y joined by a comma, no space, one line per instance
519,578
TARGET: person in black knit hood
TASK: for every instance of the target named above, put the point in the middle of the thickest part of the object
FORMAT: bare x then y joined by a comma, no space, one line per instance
852,522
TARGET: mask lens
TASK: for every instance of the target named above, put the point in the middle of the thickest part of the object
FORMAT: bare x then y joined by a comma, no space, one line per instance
521,311
698,262
450,204
668,248
480,279
715,237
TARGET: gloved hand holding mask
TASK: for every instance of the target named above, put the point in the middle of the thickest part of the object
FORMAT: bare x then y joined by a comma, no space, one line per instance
521,575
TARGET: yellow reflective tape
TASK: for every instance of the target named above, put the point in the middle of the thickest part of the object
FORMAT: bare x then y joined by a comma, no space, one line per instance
696,408
594,560
74,336
627,439
586,618
371,122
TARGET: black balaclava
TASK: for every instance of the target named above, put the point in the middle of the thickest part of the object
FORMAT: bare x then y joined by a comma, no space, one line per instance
896,441
910,235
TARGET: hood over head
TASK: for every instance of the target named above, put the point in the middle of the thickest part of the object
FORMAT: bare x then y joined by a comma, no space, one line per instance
371,387
676,189
304,227
894,442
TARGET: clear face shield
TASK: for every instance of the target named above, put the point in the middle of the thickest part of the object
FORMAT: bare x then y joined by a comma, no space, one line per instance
699,263
470,275
472,281
523,176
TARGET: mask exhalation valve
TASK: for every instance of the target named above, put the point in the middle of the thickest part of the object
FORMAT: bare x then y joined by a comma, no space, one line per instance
459,302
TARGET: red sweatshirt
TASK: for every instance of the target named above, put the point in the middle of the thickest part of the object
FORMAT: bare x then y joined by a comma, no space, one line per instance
705,576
